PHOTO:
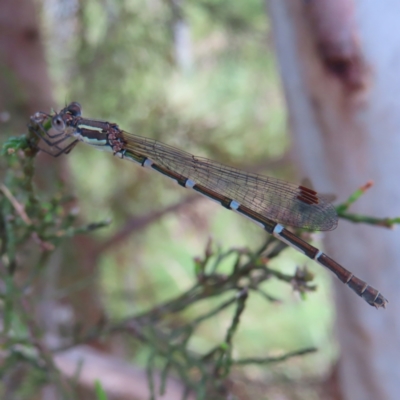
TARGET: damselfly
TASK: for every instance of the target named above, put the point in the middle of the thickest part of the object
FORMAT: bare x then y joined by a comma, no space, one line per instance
267,201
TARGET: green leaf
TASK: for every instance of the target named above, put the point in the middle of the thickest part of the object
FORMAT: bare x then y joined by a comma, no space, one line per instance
14,144
100,393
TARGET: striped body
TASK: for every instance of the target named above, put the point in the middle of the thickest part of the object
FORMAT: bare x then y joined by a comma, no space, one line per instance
268,202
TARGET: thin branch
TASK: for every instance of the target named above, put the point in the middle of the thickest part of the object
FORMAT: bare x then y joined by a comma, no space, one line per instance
19,208
136,224
269,360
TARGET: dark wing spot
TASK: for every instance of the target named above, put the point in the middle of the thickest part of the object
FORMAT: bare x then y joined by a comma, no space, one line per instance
307,196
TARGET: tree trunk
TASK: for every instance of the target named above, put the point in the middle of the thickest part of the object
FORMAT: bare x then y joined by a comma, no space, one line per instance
339,72
24,83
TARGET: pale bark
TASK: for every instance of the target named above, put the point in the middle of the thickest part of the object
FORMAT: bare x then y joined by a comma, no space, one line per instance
346,131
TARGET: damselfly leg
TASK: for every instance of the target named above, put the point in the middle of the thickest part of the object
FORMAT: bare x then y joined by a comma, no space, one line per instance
53,140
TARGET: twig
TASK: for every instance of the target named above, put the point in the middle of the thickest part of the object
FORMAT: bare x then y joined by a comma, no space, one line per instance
268,360
19,208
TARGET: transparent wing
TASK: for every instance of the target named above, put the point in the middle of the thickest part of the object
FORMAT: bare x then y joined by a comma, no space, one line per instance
283,202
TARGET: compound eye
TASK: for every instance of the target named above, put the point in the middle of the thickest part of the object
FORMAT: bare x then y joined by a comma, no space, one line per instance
58,124
75,109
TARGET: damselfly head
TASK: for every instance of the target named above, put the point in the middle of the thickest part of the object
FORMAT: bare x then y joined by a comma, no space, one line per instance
74,109
57,123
